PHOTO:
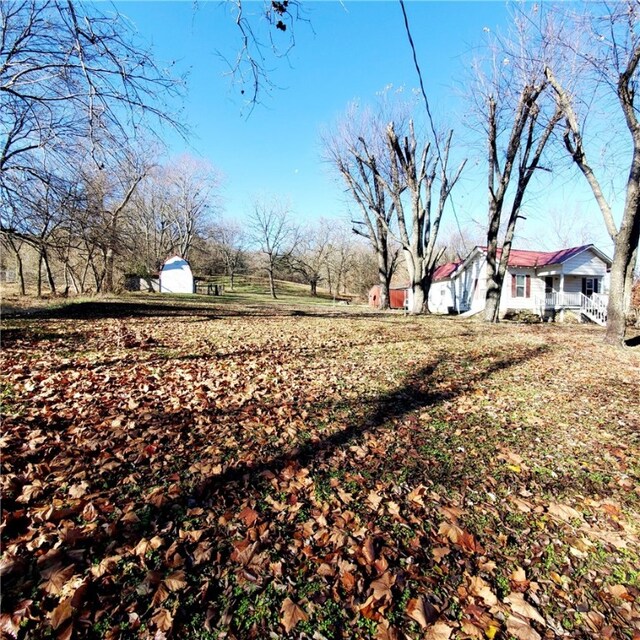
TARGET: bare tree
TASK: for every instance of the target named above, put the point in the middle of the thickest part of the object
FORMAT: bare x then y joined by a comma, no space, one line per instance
231,241
75,88
67,73
192,200
266,31
107,197
357,151
518,118
275,235
605,48
416,171
570,227
311,254
341,259
455,244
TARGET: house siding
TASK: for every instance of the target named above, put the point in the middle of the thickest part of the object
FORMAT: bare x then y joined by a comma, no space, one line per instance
586,263
536,291
473,284
573,284
441,296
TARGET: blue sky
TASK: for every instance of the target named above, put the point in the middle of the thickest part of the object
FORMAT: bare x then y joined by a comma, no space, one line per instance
347,51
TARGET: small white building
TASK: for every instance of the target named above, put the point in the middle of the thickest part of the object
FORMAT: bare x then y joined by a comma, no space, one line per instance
176,276
543,282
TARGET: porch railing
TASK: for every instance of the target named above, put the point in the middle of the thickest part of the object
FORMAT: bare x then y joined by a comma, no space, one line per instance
560,300
595,307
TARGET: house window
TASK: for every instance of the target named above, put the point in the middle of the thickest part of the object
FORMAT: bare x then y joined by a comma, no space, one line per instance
589,286
521,286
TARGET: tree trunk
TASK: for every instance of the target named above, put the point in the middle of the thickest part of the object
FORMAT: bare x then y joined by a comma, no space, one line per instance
384,278
419,299
109,265
314,288
20,271
625,251
47,266
417,303
426,288
83,279
628,285
39,279
272,283
494,285
19,267
97,277
74,279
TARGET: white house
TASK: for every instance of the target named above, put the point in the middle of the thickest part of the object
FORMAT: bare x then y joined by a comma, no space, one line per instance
176,276
544,282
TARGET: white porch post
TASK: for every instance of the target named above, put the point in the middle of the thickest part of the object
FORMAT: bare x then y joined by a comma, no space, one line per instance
561,293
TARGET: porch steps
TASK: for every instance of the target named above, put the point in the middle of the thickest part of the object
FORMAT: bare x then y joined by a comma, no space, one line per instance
594,308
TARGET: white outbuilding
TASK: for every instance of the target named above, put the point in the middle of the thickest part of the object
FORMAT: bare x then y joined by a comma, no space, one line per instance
176,276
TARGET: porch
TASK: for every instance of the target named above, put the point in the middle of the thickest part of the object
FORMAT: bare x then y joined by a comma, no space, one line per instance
593,306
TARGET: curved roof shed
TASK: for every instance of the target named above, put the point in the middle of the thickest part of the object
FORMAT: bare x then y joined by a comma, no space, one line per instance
176,276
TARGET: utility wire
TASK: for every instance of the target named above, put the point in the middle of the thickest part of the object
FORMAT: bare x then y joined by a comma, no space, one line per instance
428,108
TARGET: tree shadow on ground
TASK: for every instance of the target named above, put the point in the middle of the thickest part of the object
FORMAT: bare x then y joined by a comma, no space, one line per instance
417,393
200,311
427,388
633,342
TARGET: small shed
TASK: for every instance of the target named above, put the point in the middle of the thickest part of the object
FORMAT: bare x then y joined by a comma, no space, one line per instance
176,276
398,297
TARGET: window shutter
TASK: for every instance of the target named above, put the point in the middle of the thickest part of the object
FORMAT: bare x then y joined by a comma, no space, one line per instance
596,285
584,286
527,280
513,285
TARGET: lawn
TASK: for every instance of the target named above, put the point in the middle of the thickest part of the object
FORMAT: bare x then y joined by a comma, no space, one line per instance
218,469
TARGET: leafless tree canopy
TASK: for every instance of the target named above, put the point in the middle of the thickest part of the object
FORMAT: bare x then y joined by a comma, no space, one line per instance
517,115
267,33
67,73
600,63
274,234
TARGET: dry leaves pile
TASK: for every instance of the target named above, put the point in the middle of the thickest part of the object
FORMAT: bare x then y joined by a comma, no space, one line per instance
254,475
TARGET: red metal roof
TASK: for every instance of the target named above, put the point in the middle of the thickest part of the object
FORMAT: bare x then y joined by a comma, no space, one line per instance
445,270
522,258
519,258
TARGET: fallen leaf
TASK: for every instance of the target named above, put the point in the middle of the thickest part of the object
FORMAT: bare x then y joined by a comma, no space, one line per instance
248,516
481,589
291,614
451,531
440,552
61,613
163,619
374,500
422,612
564,512
439,631
56,577
521,606
521,629
176,581
161,594
368,551
382,587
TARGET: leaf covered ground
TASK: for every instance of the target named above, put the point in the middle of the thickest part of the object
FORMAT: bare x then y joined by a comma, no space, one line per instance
225,472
